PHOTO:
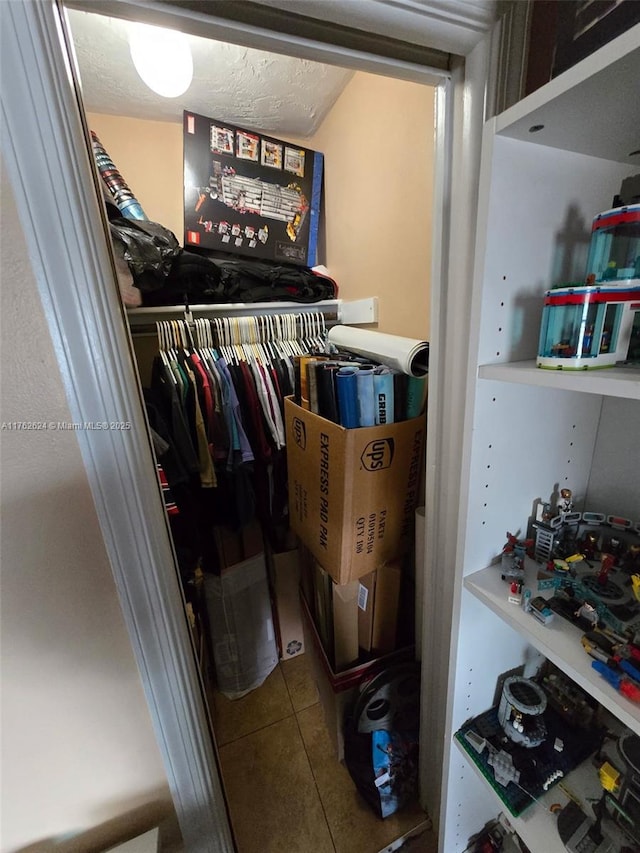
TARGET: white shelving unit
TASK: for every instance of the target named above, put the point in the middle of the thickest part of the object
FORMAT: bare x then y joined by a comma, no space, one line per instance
530,431
615,381
559,642
537,825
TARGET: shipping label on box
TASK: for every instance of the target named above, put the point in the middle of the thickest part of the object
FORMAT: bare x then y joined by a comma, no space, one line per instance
352,492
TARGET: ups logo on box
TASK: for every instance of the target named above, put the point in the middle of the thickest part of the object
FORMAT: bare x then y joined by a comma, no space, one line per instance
378,454
299,433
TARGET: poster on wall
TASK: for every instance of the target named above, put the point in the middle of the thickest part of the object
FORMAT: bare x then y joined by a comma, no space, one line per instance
250,194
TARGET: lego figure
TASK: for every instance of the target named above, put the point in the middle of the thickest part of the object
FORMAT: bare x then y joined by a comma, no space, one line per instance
588,612
589,544
607,563
513,555
565,504
631,560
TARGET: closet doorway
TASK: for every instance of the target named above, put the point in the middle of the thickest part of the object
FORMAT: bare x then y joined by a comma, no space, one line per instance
147,480
376,135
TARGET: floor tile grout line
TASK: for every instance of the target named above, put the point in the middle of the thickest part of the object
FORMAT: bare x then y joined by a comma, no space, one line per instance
252,732
426,818
286,684
315,781
295,710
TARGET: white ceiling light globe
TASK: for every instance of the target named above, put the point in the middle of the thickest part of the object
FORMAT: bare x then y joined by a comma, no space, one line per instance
162,59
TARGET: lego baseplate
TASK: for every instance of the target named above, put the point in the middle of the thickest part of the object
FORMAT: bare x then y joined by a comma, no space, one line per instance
540,768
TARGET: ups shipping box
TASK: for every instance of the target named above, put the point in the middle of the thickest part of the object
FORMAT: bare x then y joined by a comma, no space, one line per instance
338,691
378,602
352,492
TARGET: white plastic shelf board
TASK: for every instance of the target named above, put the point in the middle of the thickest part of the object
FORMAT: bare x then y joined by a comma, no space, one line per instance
559,641
604,85
488,647
538,825
526,440
541,206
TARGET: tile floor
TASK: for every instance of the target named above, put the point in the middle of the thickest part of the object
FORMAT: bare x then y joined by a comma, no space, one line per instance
287,792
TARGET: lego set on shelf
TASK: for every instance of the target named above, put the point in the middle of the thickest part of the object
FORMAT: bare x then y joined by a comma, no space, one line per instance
542,729
590,563
596,323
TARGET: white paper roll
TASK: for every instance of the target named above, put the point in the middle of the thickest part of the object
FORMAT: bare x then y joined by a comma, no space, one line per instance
408,355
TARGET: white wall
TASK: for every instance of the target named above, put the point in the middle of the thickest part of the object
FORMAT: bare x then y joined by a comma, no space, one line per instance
77,742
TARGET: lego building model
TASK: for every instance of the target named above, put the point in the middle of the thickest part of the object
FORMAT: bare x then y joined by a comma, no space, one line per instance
597,324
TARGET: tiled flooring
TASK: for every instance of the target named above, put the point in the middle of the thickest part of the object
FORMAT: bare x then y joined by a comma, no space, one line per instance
287,792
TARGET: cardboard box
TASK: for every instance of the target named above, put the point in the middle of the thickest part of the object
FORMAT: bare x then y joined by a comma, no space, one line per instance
323,607
285,582
352,492
378,603
385,608
250,194
345,624
338,691
336,617
366,599
236,546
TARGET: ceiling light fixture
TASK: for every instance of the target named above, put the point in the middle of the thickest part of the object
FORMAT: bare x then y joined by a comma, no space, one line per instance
162,59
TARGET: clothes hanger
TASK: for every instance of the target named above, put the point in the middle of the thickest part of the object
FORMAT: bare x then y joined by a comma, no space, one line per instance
262,349
164,351
237,358
222,339
273,335
294,340
317,317
279,334
323,332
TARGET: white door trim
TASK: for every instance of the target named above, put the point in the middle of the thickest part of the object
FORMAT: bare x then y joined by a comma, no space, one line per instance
44,147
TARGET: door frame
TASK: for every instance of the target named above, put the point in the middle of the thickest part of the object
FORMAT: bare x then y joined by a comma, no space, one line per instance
44,146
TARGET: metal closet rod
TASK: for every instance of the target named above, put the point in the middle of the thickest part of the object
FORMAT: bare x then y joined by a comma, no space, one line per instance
138,329
354,312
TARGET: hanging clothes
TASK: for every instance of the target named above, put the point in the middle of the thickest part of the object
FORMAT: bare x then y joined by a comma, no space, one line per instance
216,403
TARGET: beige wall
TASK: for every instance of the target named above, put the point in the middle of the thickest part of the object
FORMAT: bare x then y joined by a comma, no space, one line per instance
378,147
148,154
77,742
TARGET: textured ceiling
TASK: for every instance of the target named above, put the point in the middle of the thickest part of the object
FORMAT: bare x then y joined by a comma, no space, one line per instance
251,88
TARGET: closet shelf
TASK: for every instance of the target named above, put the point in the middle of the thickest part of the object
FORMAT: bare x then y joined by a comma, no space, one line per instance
612,381
559,642
537,826
354,312
592,108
